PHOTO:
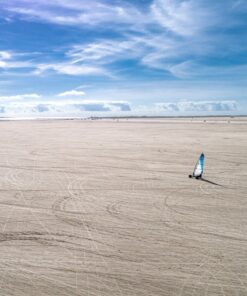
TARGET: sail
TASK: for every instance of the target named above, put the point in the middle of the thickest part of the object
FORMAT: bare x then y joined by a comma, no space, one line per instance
199,166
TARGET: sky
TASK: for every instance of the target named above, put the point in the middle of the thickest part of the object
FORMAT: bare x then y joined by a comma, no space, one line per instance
123,57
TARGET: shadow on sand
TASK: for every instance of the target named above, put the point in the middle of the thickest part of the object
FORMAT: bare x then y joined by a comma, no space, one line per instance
210,182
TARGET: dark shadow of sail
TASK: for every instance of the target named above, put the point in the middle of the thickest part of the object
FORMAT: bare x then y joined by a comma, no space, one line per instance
210,182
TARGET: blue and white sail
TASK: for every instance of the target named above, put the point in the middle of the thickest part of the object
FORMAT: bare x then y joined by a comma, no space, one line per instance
198,170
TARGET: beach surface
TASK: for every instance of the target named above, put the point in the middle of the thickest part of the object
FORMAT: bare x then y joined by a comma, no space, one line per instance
105,207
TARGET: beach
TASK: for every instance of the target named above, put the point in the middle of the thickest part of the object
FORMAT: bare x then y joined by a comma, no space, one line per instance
105,207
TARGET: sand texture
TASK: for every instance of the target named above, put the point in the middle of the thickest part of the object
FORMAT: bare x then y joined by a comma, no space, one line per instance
106,207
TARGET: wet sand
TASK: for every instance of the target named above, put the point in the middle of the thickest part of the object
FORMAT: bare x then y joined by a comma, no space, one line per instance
106,207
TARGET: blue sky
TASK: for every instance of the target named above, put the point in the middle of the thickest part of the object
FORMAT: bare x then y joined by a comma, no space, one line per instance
159,56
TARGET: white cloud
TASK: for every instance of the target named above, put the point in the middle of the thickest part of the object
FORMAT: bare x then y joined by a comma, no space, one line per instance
15,64
75,12
153,51
71,93
83,86
156,51
190,69
174,15
3,64
20,97
184,18
70,69
103,50
5,55
78,70
10,60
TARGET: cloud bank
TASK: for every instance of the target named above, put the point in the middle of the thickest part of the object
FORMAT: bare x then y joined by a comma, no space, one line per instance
203,106
18,109
115,108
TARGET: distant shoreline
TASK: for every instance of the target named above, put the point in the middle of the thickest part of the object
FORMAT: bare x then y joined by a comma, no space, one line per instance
164,117
122,117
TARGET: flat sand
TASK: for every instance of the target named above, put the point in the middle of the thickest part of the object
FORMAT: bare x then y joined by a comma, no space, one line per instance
106,207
